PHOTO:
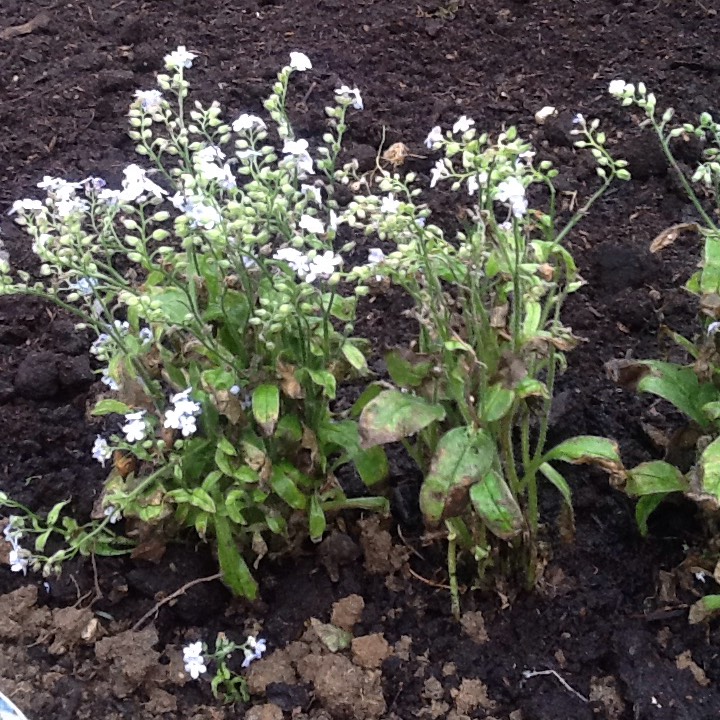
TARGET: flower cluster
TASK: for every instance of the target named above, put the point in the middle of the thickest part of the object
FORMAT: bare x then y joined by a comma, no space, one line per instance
183,414
18,557
194,660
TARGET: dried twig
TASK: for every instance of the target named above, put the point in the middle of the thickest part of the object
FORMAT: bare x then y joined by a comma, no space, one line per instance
180,591
535,673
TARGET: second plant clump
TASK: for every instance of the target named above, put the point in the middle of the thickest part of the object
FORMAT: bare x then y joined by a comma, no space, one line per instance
218,286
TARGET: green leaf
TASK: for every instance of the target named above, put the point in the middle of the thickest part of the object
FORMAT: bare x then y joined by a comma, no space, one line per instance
531,387
393,415
679,386
531,321
408,369
284,486
368,394
496,403
709,466
494,502
266,407
235,503
462,458
651,478
333,638
710,278
589,449
105,407
558,481
324,379
201,499
644,508
289,428
372,465
354,357
711,410
316,519
227,447
172,302
54,513
236,573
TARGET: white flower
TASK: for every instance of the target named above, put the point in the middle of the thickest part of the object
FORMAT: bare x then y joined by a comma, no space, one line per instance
136,184
434,139
389,205
311,224
150,100
26,205
323,266
202,215
209,154
463,124
579,119
713,328
235,390
84,285
179,58
300,61
183,415
253,650
298,149
247,153
71,206
101,451
106,379
334,220
544,113
97,347
146,335
194,660
109,196
93,184
351,94
375,256
313,192
112,514
294,258
12,534
295,147
472,184
438,172
18,561
617,88
248,122
512,193
135,427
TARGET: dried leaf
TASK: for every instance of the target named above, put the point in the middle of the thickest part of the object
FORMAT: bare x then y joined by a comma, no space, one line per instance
288,382
396,154
684,661
670,235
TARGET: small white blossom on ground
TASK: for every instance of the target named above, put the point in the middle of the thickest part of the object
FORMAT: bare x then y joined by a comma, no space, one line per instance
389,205
463,124
202,215
295,147
311,224
351,94
136,184
295,259
180,58
375,256
18,560
248,122
255,647
101,451
150,100
146,334
512,193
313,192
183,415
579,119
299,155
713,328
434,139
112,514
439,172
26,205
300,61
617,87
323,266
106,379
135,426
12,534
194,660
85,285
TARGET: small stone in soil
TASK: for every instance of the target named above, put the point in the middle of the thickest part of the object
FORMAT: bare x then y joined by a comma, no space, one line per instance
37,377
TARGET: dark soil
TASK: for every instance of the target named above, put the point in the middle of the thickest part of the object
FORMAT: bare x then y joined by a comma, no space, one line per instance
606,619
